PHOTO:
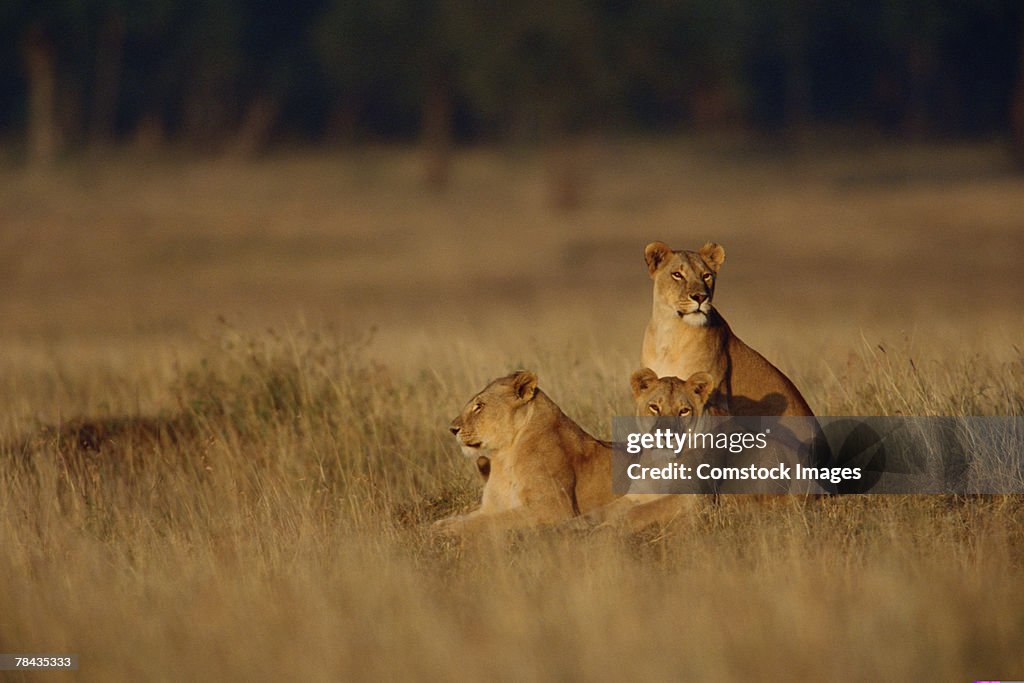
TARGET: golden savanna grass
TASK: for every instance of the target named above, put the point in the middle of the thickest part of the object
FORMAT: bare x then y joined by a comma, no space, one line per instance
226,389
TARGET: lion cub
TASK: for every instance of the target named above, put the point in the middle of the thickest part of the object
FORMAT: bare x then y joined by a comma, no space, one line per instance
541,466
657,396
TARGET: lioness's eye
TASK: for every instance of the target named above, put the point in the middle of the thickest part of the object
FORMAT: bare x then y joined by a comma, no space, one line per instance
677,275
707,277
653,407
477,407
684,411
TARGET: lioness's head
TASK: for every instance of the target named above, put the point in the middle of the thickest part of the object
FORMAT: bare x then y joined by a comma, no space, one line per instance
685,280
493,417
670,396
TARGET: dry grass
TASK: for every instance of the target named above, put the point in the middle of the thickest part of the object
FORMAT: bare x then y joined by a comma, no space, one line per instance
184,499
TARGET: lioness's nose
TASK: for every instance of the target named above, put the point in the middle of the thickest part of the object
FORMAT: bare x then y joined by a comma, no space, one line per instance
454,429
699,298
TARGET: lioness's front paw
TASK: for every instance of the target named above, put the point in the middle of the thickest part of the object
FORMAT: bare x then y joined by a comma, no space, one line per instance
578,523
449,526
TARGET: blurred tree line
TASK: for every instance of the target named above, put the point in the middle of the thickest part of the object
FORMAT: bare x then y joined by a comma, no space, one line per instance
234,76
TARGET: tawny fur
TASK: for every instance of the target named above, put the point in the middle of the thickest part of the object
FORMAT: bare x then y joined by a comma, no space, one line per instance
687,335
544,468
669,397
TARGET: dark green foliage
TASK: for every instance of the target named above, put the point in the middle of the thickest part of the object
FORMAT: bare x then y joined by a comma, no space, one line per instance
527,69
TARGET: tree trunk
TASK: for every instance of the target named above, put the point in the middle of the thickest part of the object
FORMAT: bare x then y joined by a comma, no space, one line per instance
710,106
919,69
1017,110
565,173
40,69
797,97
436,132
109,52
150,134
206,113
254,133
343,122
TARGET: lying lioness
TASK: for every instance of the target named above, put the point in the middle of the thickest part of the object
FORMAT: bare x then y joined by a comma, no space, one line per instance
657,396
541,466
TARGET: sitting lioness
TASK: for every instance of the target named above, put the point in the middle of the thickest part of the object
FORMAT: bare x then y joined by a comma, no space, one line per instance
542,467
656,396
686,334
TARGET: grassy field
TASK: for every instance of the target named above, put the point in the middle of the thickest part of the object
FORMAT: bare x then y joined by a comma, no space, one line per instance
226,389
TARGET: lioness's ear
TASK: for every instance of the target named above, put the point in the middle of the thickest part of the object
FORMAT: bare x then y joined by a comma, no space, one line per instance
700,383
713,255
524,384
641,380
656,253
